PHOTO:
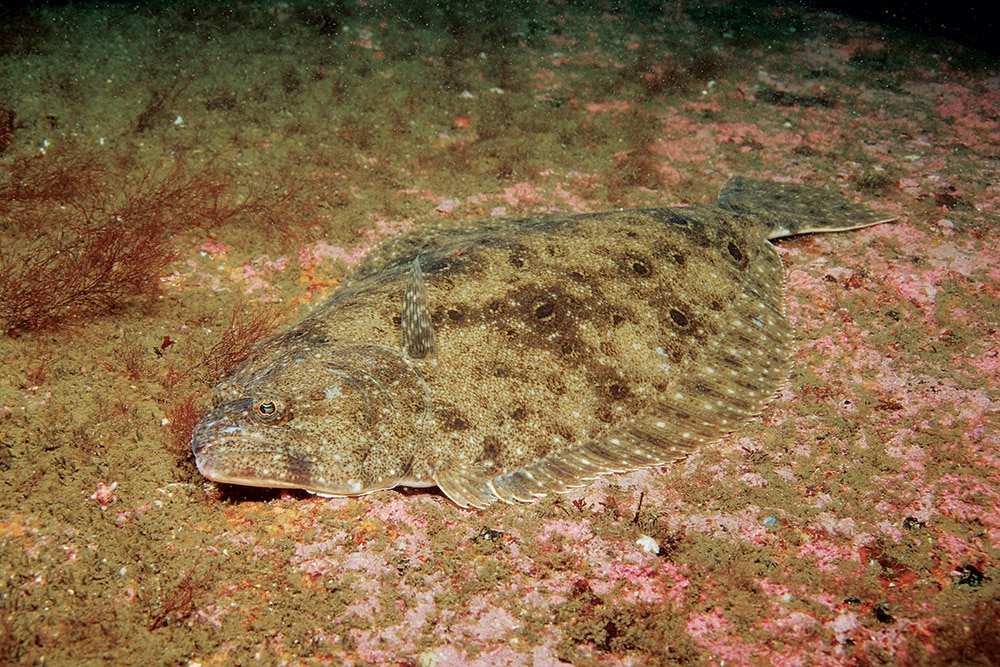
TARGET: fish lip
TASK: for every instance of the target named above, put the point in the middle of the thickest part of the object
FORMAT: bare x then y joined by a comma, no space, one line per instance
211,454
223,476
207,465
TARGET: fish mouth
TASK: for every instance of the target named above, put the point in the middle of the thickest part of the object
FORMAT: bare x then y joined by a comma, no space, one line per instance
229,454
254,461
226,453
278,470
274,469
282,472
220,469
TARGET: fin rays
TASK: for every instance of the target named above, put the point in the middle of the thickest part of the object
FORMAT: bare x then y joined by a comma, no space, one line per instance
415,321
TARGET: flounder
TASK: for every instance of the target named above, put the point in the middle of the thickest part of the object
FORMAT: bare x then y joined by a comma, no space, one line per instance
517,357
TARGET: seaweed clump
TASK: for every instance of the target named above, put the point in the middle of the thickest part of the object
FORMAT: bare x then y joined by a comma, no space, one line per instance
84,235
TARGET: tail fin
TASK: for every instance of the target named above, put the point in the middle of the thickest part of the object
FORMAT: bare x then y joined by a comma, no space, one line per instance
795,209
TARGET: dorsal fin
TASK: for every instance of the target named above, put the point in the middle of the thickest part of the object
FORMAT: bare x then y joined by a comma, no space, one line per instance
418,334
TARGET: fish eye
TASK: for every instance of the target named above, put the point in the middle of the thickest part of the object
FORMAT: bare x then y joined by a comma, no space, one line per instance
268,411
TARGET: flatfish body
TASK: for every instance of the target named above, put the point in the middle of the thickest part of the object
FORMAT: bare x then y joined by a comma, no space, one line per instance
518,357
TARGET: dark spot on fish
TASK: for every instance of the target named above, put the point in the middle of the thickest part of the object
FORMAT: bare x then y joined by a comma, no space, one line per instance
679,318
735,252
508,331
640,269
491,449
613,393
617,391
454,315
451,419
544,311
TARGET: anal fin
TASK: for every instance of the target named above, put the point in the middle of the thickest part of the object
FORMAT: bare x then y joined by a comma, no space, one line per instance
466,486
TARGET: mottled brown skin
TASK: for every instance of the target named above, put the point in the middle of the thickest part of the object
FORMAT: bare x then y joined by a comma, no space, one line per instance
514,358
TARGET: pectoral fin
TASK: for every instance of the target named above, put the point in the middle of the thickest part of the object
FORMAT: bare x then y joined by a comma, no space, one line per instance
418,334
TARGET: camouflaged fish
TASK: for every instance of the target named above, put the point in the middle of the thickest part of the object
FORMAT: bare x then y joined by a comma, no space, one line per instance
524,356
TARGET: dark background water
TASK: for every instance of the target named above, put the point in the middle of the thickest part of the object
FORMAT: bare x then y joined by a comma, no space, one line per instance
972,24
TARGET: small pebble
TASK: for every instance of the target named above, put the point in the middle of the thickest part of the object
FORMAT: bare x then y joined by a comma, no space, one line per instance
648,544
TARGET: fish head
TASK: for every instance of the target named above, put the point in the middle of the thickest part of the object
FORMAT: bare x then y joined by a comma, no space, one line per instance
333,422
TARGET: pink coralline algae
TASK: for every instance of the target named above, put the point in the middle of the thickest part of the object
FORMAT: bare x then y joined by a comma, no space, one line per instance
607,107
255,275
105,494
523,194
447,205
214,247
714,633
319,251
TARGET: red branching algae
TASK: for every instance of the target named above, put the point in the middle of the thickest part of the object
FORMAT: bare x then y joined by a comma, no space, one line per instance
179,605
80,239
84,236
75,253
182,415
246,327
